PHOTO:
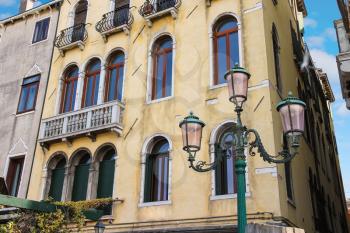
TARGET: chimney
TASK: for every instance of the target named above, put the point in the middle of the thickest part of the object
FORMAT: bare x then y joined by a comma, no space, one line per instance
26,5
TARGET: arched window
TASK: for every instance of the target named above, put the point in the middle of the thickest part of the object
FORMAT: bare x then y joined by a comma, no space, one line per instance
226,47
91,83
115,77
79,20
81,176
57,179
276,57
69,90
106,176
157,172
162,68
225,177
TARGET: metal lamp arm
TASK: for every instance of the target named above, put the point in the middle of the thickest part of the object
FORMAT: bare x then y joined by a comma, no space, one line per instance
200,166
283,156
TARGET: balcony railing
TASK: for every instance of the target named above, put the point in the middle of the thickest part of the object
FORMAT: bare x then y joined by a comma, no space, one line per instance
152,9
114,21
85,122
71,37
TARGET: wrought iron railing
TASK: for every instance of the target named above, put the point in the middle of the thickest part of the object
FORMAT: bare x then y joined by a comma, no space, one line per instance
115,19
151,7
70,35
85,121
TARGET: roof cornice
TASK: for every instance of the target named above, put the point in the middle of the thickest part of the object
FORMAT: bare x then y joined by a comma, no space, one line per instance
33,11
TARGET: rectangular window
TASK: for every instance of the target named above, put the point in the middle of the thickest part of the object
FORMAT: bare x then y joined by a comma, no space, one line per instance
29,93
14,173
41,30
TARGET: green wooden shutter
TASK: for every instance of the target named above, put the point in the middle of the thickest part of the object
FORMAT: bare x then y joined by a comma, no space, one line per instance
81,178
57,179
218,171
106,179
148,179
105,183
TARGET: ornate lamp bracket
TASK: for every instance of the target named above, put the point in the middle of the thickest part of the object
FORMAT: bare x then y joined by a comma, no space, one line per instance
284,156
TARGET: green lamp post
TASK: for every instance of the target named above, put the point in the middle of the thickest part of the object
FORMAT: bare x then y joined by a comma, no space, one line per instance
291,110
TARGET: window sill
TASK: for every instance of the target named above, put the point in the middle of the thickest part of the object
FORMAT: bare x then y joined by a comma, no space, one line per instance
156,203
291,202
159,100
213,87
39,42
24,113
228,196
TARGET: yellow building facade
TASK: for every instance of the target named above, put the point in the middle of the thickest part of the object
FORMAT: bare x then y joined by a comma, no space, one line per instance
86,122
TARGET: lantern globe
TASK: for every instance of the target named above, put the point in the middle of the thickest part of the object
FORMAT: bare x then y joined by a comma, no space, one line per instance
237,83
191,128
99,227
292,111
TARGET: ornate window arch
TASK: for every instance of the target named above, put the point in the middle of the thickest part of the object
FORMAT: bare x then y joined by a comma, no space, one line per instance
226,46
91,82
114,81
69,88
224,184
156,171
80,172
55,177
161,68
104,165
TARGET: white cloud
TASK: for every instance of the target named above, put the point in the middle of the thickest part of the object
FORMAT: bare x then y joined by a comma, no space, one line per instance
342,110
319,40
308,22
315,41
330,33
7,2
327,62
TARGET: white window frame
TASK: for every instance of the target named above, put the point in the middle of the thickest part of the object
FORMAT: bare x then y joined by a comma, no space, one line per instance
150,69
211,46
48,31
145,150
106,60
212,141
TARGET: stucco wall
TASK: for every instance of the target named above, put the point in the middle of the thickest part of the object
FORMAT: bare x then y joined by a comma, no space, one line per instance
19,59
190,198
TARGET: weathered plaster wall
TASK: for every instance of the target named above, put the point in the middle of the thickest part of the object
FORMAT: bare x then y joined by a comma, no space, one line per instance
19,59
190,202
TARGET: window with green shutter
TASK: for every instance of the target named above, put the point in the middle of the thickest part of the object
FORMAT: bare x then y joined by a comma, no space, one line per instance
81,178
106,178
157,173
225,177
57,180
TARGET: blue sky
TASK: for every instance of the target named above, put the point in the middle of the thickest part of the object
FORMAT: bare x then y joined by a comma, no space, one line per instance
321,38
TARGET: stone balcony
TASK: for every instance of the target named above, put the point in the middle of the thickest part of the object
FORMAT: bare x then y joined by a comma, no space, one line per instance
85,122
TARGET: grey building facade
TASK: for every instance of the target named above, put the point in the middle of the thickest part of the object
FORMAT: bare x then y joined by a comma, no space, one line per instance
26,45
342,27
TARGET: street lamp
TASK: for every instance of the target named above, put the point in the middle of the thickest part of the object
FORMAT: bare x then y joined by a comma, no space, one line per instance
99,227
291,110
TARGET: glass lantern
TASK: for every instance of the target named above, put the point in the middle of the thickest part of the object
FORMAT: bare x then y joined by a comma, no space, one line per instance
237,81
99,227
292,112
191,128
